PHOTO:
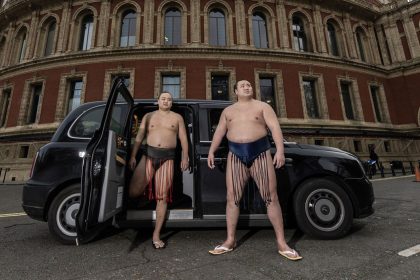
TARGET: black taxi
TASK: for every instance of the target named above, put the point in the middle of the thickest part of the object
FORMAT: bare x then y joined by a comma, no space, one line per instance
79,181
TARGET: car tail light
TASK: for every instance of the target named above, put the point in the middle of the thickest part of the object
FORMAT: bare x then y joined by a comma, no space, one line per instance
33,165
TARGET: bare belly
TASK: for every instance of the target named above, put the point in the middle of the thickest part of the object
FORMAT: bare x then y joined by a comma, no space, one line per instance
165,139
246,135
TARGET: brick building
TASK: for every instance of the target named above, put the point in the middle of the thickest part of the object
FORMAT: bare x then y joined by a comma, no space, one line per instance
342,73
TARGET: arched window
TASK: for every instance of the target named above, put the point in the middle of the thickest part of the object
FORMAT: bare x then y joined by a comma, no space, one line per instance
49,42
128,29
299,36
259,30
21,45
217,28
332,39
86,30
360,40
172,27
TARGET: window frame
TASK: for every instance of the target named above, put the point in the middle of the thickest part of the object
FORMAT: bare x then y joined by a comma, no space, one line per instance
124,14
173,29
218,19
263,18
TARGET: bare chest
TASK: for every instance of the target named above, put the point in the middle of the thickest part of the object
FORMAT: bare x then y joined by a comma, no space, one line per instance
161,123
245,116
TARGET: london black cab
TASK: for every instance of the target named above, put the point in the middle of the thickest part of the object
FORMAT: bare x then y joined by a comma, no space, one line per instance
79,181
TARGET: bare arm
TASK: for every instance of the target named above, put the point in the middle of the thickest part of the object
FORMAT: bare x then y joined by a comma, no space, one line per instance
274,126
139,138
182,134
217,138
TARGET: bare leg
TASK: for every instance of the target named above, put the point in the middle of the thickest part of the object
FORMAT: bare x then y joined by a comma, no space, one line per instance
139,181
241,175
273,208
163,183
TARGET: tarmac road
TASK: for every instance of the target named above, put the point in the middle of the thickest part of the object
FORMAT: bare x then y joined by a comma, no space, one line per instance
370,251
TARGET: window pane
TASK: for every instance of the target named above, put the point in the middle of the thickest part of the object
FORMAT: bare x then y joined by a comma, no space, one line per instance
75,94
360,45
36,93
299,36
332,38
172,84
376,103
217,28
128,29
219,87
348,106
86,33
173,27
259,30
86,125
50,39
4,106
311,100
267,91
22,47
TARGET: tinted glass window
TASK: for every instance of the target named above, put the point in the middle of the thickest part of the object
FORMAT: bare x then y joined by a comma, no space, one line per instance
49,45
173,27
311,99
85,126
219,87
214,117
172,84
217,29
346,94
267,91
86,33
128,29
259,29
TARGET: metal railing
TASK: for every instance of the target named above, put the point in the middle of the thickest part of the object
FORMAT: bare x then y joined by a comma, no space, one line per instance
390,168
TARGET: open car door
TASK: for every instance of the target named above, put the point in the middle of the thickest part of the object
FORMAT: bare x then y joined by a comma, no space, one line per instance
104,166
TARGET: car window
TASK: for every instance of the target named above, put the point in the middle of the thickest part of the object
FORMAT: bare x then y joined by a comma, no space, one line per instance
85,125
214,116
118,117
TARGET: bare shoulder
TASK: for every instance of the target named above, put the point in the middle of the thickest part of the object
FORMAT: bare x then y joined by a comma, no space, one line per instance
265,106
177,116
229,108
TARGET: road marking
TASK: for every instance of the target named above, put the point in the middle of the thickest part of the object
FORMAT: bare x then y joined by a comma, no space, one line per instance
410,251
7,215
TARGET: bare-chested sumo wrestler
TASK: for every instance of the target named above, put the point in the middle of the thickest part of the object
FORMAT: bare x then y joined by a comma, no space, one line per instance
156,169
245,125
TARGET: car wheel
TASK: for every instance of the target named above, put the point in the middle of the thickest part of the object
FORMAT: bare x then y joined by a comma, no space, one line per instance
62,214
323,209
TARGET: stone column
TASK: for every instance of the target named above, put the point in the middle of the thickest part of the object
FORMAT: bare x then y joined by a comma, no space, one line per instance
103,21
8,48
64,28
195,21
373,44
282,20
394,42
349,36
148,21
240,22
411,35
32,34
382,44
319,30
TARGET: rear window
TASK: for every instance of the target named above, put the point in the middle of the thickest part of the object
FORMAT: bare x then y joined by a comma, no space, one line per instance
86,124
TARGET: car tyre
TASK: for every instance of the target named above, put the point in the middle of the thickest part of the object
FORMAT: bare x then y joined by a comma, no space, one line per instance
323,209
62,214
